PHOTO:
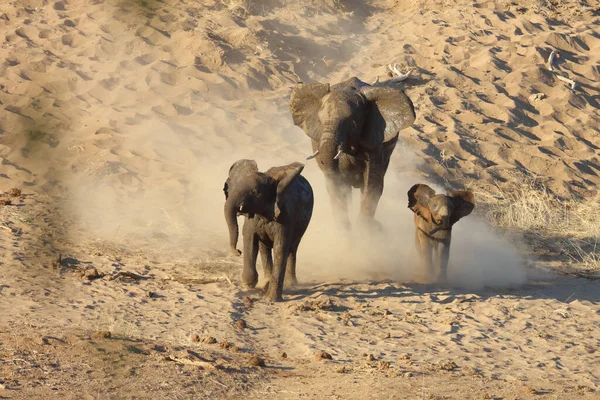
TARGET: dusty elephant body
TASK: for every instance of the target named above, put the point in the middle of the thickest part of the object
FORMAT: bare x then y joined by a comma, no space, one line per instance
277,206
354,129
435,214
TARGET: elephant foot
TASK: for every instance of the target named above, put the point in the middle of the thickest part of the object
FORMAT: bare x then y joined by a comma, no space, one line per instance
270,293
376,226
290,281
344,225
443,281
371,225
425,277
249,280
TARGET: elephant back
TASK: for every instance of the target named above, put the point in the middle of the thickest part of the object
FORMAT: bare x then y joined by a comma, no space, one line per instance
298,201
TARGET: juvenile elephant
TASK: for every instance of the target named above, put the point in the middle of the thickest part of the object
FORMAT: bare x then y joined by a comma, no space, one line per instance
354,128
435,214
277,206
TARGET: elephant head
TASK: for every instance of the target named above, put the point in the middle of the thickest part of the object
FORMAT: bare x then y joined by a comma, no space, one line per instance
250,192
441,210
349,116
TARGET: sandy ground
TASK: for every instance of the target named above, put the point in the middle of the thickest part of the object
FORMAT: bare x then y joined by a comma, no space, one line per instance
120,120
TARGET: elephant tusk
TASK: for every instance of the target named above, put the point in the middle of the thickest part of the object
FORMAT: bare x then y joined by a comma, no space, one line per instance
316,153
339,153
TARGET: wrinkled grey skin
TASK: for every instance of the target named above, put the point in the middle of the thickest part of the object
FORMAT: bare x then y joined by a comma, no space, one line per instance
361,121
435,214
277,206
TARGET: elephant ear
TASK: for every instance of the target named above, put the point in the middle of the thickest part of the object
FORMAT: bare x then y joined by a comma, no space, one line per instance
226,189
243,166
418,200
305,102
283,177
464,203
390,111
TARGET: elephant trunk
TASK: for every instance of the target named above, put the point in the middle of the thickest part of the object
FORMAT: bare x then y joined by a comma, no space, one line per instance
231,209
329,151
445,224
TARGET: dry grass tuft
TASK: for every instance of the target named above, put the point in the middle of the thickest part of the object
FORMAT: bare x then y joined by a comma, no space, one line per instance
568,225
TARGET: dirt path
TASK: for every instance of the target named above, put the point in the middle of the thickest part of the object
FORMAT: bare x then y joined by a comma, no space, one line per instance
385,339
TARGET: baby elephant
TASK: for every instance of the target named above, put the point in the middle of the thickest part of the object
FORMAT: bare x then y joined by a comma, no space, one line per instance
277,206
435,214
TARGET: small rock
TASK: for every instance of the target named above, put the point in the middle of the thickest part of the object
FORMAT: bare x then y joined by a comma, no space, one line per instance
208,340
447,365
323,355
5,201
583,389
256,361
320,304
537,97
101,335
150,294
91,273
2,386
195,338
4,17
248,302
370,357
241,324
283,355
383,365
342,370
408,374
224,344
525,389
14,192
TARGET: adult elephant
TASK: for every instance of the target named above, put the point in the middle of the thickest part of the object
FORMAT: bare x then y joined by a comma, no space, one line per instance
354,128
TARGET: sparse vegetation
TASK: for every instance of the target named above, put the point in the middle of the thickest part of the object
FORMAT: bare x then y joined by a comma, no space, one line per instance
569,226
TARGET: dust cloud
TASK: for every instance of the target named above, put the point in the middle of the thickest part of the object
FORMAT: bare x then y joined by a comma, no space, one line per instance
174,204
158,185
479,257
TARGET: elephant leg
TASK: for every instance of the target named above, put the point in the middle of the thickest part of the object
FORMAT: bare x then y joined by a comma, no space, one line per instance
376,166
281,251
267,261
373,185
444,256
425,250
290,270
249,274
